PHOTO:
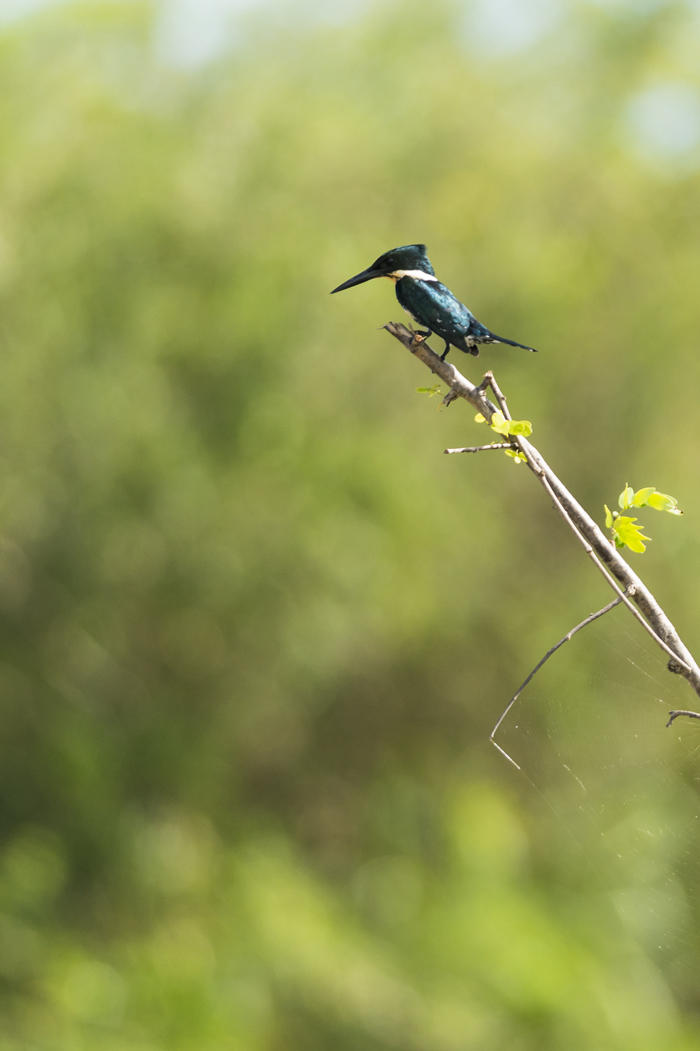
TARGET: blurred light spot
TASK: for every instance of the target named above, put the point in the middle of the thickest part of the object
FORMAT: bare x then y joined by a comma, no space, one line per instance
88,989
642,8
665,121
487,832
194,31
510,25
11,9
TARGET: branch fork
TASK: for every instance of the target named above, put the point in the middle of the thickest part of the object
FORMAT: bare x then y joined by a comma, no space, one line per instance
619,575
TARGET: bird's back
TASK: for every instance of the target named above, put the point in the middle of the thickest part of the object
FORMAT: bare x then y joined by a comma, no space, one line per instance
432,304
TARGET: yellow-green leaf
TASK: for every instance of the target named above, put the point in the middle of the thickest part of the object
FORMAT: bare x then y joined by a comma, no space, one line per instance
641,497
628,534
664,502
479,418
522,427
507,427
648,496
499,423
609,516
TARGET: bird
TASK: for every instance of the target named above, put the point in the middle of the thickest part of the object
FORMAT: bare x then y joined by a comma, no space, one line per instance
428,301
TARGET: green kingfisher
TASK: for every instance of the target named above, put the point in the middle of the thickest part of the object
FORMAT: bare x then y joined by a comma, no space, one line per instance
428,301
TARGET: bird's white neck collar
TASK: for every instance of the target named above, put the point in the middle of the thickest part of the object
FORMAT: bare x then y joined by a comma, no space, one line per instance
417,275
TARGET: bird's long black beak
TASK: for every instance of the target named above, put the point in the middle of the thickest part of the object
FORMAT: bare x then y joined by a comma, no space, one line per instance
358,279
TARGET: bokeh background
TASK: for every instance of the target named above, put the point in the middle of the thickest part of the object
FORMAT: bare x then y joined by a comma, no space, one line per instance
256,628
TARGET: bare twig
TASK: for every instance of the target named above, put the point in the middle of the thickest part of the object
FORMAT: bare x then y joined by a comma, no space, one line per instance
628,586
565,638
480,448
489,380
681,711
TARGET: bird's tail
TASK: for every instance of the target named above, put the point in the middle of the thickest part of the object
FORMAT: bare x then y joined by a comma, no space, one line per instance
511,343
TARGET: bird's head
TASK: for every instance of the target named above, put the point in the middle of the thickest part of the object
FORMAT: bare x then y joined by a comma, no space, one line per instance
407,261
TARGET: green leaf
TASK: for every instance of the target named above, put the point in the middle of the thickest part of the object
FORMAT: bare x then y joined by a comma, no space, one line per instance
430,391
610,516
521,427
479,418
508,427
627,533
516,455
648,496
499,423
664,502
641,497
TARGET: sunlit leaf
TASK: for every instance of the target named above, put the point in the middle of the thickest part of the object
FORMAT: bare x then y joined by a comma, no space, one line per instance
648,496
664,502
641,497
510,427
521,427
499,423
627,533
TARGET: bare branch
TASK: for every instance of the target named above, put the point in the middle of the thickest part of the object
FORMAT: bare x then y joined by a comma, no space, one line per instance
620,576
460,386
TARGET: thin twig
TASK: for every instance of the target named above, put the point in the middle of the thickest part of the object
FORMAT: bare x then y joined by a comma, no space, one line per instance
565,638
681,711
480,448
489,380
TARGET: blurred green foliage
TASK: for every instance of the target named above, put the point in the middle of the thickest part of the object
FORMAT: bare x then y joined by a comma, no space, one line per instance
255,627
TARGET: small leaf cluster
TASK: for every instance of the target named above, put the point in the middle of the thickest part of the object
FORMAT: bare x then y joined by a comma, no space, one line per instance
508,428
624,528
